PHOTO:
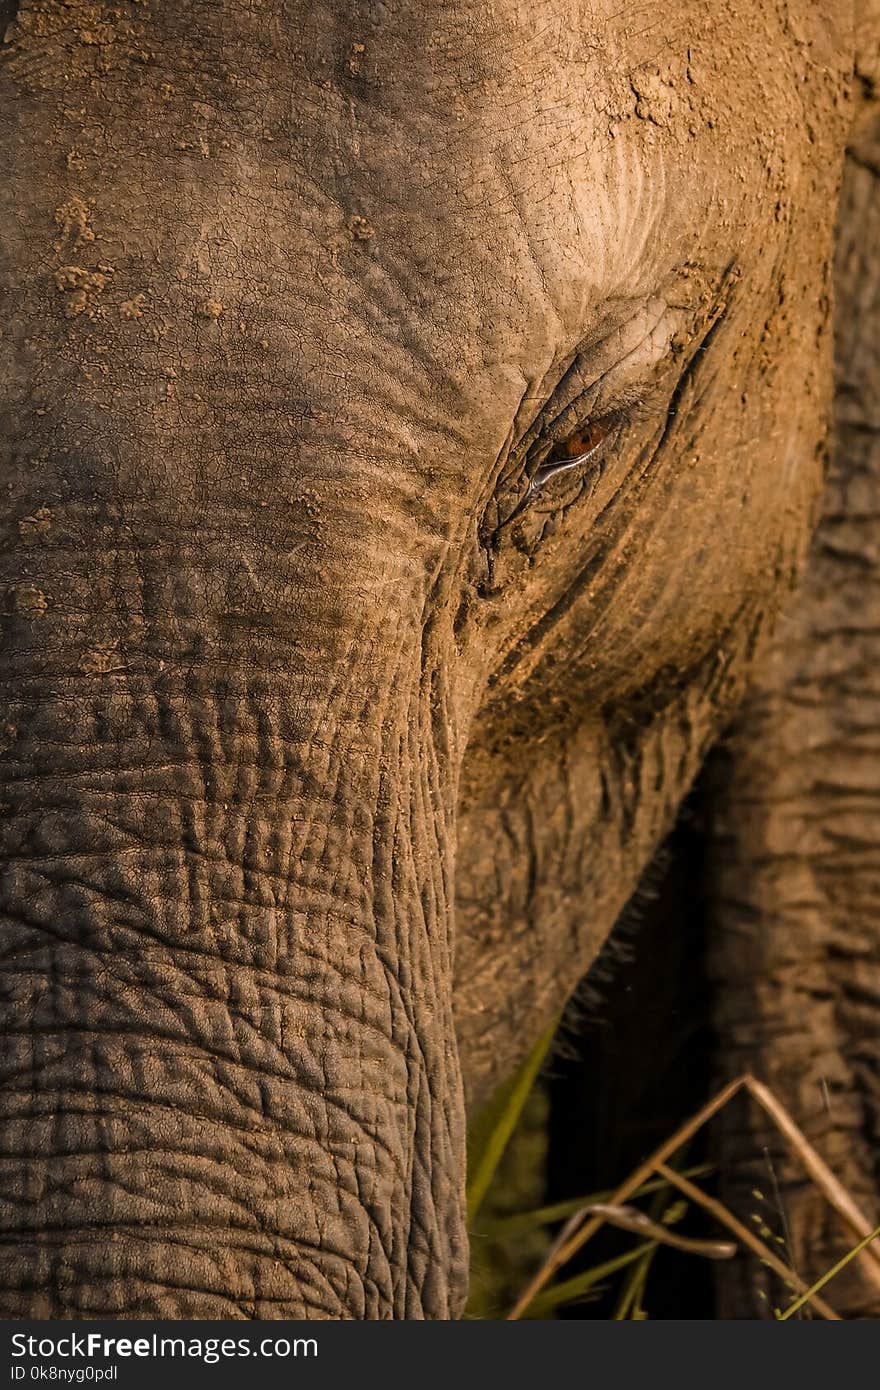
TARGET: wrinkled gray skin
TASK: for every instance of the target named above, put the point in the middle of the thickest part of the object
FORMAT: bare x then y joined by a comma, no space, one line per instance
795,911
292,294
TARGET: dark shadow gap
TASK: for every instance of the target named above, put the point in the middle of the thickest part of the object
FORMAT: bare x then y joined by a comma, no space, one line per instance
640,1061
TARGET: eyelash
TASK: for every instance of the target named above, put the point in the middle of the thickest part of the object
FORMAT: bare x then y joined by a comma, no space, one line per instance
568,451
572,438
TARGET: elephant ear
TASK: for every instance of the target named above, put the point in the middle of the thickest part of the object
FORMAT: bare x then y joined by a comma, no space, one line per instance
795,883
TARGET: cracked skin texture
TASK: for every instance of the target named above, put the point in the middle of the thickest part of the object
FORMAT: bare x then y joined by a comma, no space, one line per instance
320,791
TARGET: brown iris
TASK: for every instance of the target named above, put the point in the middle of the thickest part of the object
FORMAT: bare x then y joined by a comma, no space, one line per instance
571,451
576,446
582,442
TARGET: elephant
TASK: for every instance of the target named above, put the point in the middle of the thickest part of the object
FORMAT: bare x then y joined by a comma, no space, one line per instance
414,420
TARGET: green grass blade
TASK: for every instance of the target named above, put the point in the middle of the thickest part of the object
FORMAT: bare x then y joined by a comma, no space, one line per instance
828,1275
491,1131
561,1211
630,1300
629,1304
573,1290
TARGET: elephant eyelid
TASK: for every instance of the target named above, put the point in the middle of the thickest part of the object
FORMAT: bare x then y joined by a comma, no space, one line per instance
575,450
598,406
572,451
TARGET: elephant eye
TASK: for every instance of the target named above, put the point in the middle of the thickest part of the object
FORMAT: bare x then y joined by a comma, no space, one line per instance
575,449
570,452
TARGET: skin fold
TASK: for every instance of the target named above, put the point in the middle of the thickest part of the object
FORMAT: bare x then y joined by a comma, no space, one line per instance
795,823
321,786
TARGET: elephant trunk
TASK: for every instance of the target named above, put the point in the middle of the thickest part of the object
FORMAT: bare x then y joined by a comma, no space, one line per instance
229,1080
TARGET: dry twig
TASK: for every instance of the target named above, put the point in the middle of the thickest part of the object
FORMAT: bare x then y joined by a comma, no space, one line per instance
586,1222
727,1218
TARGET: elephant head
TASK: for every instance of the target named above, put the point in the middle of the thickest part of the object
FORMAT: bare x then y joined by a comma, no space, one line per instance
412,421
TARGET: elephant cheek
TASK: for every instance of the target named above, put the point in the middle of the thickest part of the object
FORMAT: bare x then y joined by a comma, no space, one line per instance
229,1080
